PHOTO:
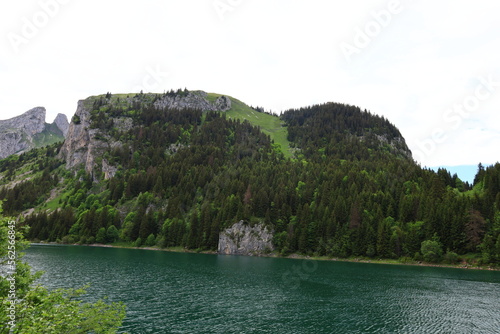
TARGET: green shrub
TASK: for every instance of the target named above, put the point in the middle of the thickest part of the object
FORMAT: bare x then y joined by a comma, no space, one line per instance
137,243
432,251
451,257
370,251
76,119
150,241
101,235
112,234
405,259
38,310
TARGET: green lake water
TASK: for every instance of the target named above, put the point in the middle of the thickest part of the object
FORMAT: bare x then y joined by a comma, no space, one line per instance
199,293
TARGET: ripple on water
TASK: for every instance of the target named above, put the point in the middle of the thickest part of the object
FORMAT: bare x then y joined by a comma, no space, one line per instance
197,293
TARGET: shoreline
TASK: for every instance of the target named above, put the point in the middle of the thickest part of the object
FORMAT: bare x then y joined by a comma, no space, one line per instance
295,257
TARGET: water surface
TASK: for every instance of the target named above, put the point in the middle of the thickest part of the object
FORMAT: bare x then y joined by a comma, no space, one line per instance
199,293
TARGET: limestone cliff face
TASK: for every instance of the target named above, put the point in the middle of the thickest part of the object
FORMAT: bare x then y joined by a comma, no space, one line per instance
12,142
16,134
242,239
85,145
75,147
194,100
81,146
62,123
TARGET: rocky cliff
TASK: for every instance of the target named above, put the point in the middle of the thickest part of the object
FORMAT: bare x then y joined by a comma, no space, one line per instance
85,143
28,131
80,143
194,100
243,239
62,123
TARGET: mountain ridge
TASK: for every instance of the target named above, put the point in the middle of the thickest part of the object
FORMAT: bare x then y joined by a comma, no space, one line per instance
29,130
172,170
84,143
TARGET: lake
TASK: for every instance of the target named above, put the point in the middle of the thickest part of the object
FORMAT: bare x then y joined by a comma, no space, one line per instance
169,292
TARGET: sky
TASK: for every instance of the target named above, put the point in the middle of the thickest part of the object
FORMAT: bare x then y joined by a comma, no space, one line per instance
429,67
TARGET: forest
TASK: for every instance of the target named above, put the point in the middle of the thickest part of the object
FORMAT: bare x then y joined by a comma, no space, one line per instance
351,189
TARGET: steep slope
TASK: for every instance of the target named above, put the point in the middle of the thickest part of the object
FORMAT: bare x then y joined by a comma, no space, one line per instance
29,131
270,124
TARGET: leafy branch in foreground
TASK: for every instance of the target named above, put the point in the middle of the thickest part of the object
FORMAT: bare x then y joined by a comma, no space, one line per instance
38,310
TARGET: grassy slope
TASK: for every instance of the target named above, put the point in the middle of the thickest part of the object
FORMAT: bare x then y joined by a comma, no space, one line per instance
269,124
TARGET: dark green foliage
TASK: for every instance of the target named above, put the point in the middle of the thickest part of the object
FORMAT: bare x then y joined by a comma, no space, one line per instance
150,241
112,234
342,131
101,236
76,119
184,176
30,193
431,250
451,257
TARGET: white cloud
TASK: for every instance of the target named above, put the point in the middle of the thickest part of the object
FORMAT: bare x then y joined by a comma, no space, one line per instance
278,55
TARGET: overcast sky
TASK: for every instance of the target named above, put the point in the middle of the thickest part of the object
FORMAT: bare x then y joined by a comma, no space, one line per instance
431,67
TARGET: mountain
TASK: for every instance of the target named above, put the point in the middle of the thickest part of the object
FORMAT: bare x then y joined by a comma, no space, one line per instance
61,121
89,134
29,130
205,171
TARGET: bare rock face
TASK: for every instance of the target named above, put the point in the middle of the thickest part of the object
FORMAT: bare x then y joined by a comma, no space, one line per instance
242,239
16,134
108,170
223,103
31,122
62,123
81,146
194,100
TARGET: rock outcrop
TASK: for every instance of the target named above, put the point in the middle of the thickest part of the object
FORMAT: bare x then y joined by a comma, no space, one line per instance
81,145
223,103
22,133
243,239
194,100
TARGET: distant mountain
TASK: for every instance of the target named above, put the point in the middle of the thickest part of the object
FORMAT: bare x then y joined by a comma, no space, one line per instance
29,130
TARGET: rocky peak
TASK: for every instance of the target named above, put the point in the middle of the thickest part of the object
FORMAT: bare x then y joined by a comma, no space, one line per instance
61,121
16,134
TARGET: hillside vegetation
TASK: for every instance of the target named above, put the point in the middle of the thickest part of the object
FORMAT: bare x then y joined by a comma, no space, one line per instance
270,124
181,176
